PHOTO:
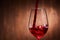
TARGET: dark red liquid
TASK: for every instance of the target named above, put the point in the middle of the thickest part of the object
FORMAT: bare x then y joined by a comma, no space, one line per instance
38,31
36,8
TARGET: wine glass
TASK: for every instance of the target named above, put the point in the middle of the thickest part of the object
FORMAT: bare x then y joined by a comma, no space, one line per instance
38,22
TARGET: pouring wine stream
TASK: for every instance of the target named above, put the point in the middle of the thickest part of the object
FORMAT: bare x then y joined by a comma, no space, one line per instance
36,7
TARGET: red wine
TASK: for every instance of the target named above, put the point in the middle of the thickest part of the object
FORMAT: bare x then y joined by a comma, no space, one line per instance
36,8
38,31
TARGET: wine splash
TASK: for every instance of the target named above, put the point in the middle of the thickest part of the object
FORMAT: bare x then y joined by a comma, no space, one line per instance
39,31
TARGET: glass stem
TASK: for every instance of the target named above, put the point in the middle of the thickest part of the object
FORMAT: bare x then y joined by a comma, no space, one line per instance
38,38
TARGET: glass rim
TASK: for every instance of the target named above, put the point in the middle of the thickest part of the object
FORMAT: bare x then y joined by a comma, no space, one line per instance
38,8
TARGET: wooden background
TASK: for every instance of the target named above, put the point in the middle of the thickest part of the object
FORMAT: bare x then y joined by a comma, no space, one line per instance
14,17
